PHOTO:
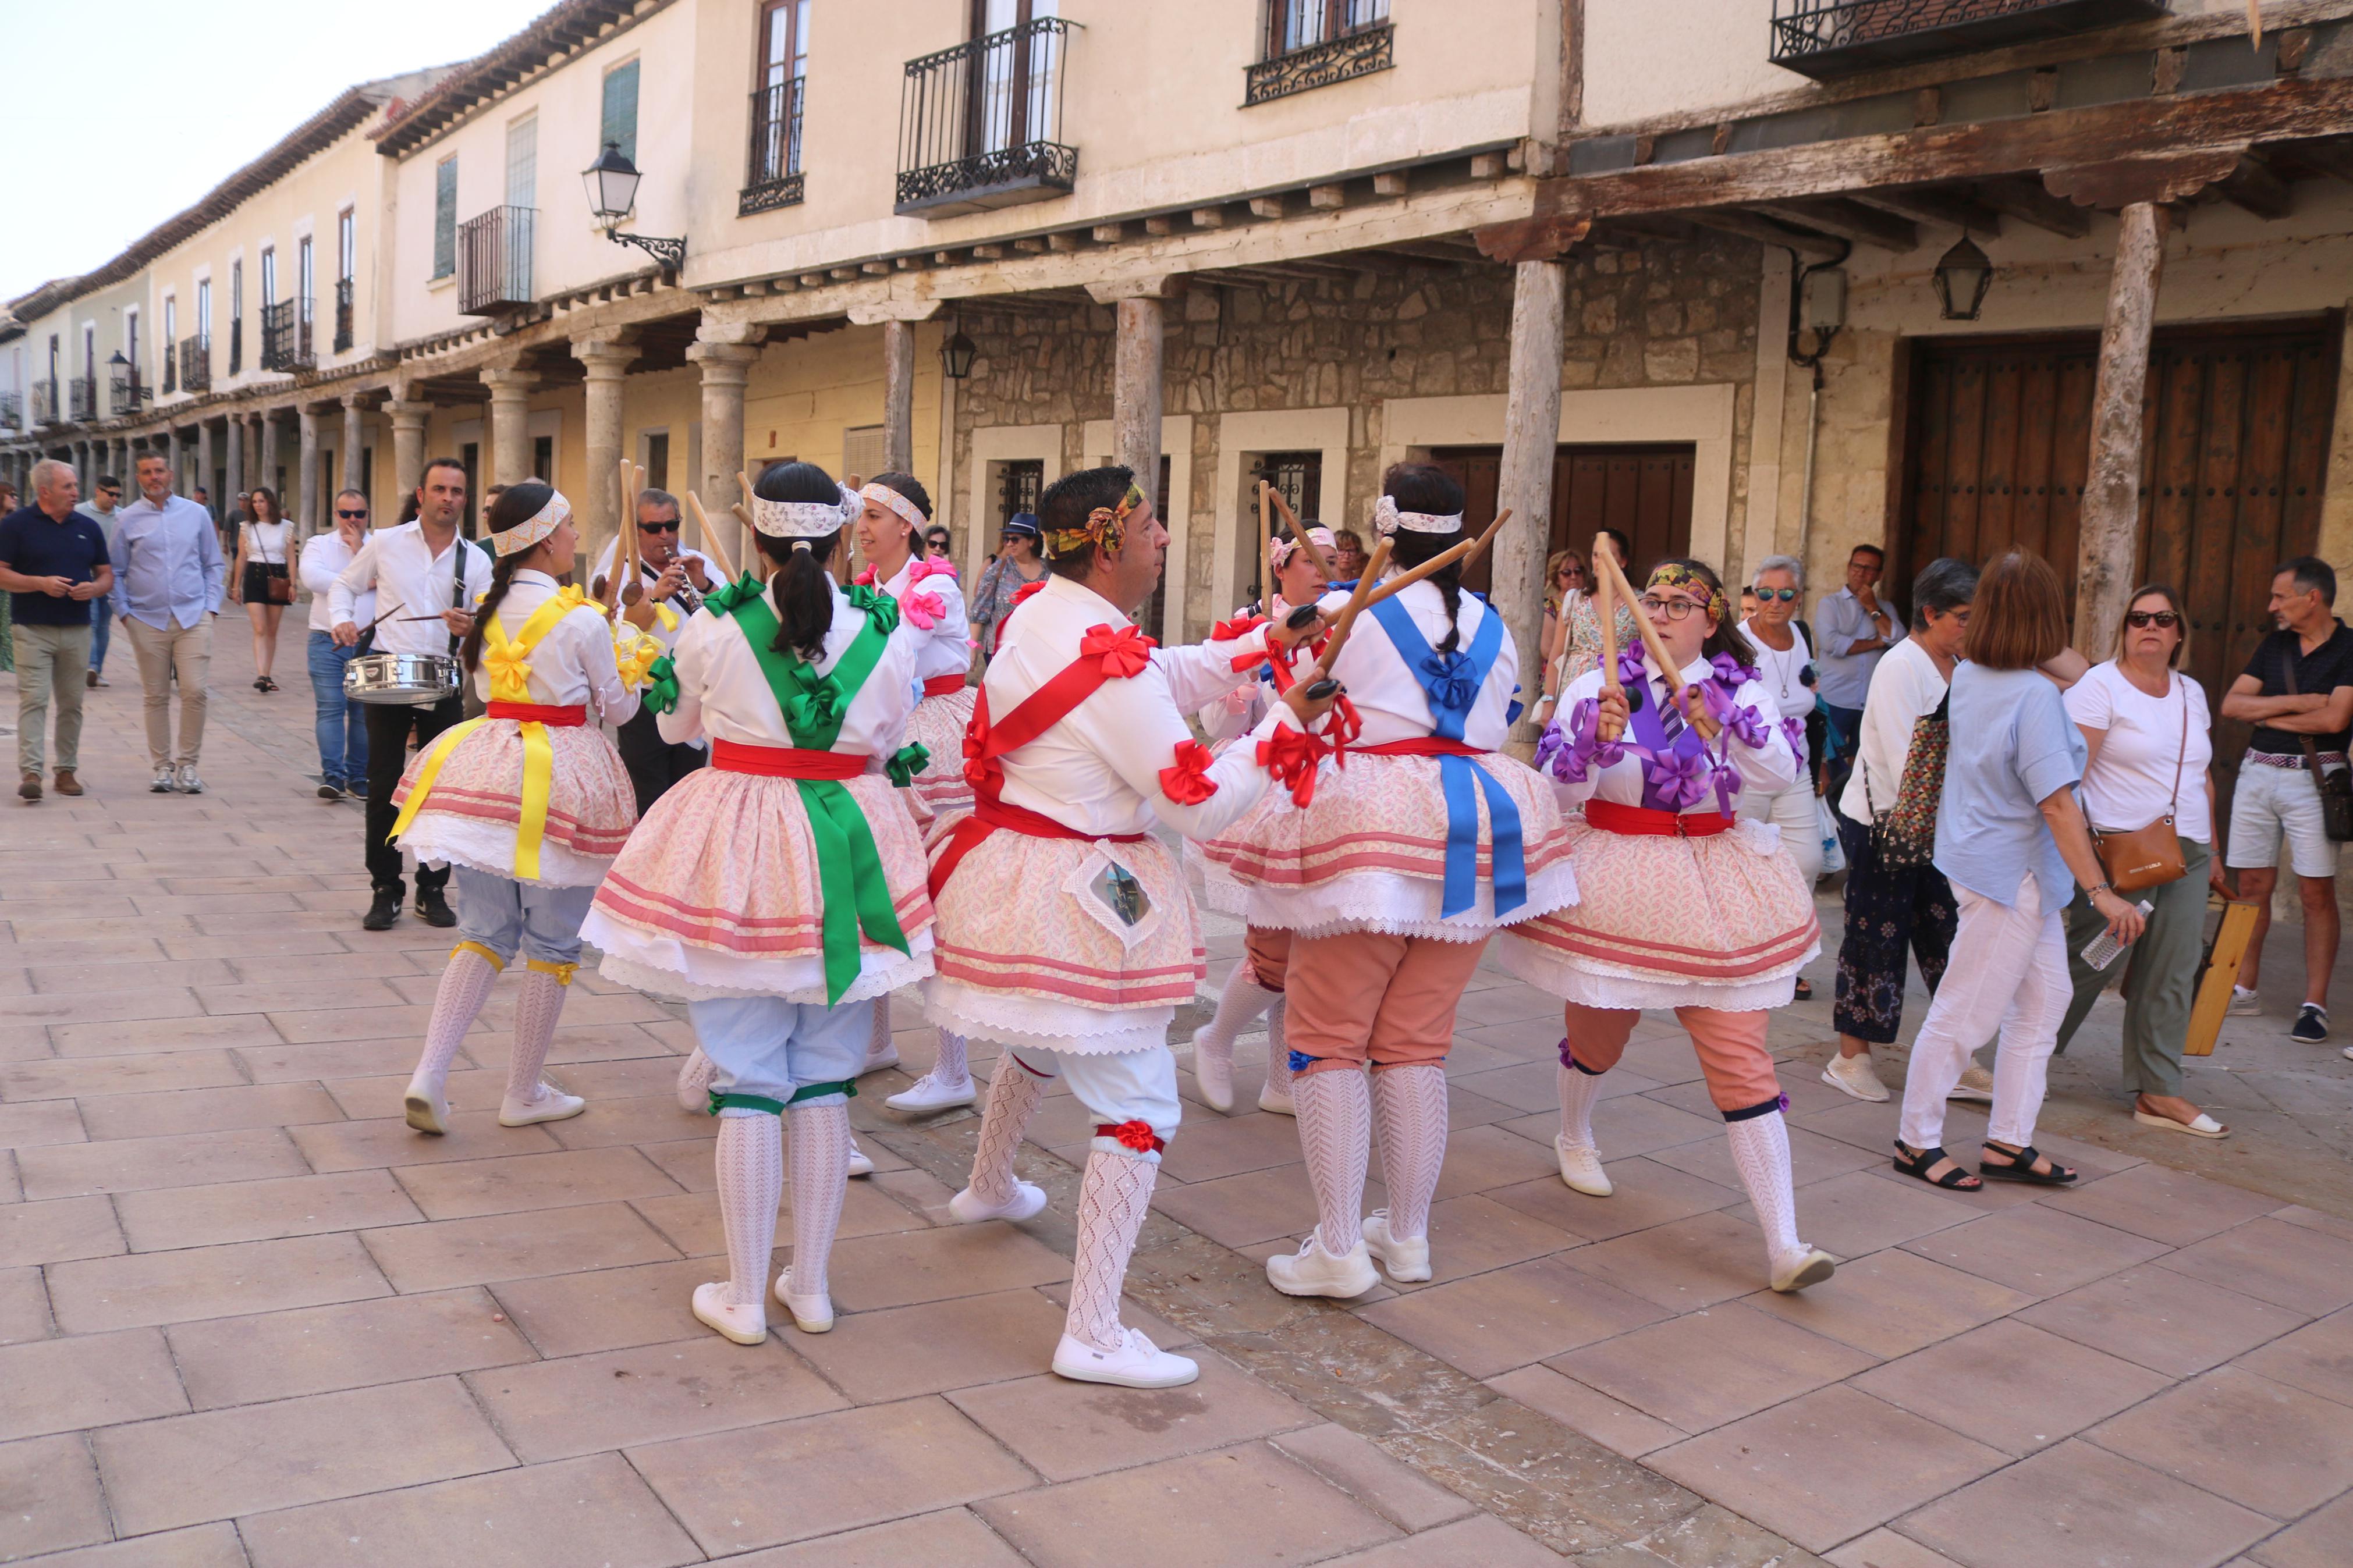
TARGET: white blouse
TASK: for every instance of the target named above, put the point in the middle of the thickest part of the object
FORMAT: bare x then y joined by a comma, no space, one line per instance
723,693
945,649
1768,769
572,666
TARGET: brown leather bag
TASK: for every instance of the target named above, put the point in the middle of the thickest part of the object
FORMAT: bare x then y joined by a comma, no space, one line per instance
2147,857
278,588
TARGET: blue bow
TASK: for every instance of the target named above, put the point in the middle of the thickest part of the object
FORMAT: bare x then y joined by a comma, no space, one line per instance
1449,681
1458,777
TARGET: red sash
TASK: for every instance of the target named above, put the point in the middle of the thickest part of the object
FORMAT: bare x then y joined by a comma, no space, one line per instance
785,762
943,685
1640,820
570,717
1422,746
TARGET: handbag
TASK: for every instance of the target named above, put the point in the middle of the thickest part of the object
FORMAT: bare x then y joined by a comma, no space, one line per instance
2335,789
2147,857
275,589
1905,834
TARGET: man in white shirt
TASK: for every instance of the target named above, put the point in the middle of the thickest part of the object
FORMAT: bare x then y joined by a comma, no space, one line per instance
341,723
656,606
424,570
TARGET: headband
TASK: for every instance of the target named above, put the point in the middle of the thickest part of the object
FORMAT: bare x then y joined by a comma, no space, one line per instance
1106,527
1670,574
1281,549
805,518
908,510
534,528
1387,520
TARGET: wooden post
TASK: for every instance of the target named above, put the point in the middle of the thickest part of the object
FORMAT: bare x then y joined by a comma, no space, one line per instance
1524,481
898,397
1136,391
2109,548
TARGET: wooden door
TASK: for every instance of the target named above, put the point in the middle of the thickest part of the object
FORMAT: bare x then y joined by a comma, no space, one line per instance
1645,491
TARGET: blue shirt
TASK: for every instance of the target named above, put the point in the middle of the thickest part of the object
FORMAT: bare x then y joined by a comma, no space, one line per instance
171,572
37,545
1840,622
2012,747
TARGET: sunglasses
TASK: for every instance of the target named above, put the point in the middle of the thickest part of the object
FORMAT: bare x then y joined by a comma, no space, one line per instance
1769,595
360,516
2137,619
670,527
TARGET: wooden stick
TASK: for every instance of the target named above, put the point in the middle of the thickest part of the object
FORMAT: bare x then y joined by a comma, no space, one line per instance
1466,550
1486,538
1324,563
1669,671
1357,602
718,551
1602,607
2222,962
625,551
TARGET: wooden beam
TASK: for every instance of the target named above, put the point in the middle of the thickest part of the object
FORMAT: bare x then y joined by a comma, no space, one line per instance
1531,240
2330,155
2028,202
1808,244
1848,220
2255,188
2116,183
1931,205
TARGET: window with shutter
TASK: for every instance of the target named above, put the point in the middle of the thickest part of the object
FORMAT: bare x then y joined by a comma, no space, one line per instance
445,218
619,124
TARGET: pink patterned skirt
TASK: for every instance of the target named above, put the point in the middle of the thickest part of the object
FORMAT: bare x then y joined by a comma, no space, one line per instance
937,725
470,816
718,893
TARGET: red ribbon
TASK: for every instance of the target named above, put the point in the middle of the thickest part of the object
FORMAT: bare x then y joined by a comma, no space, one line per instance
1645,821
563,718
1135,1135
990,816
785,762
1241,626
943,685
1290,756
1124,653
1188,782
1020,596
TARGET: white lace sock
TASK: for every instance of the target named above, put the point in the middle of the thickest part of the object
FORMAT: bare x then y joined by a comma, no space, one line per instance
878,1038
1335,1131
1113,1198
1238,1005
1014,1094
820,1152
1578,1090
1760,1148
536,1012
1278,1047
465,986
951,1067
1409,1106
751,1184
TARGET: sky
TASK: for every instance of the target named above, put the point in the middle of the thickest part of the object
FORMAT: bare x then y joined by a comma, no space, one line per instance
119,113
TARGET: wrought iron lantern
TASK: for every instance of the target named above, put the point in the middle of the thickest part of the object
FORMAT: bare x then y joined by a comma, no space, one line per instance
612,184
1963,275
956,355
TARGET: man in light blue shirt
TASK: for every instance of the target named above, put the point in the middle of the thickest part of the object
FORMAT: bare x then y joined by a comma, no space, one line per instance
167,588
101,509
1852,628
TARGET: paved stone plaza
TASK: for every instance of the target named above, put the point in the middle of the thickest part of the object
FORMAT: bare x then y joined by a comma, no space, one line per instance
249,1318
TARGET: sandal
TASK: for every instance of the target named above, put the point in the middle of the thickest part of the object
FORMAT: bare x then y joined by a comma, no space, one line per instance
1917,1166
268,684
2021,1167
1805,991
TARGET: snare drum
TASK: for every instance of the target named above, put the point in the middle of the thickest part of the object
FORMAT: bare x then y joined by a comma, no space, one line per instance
418,680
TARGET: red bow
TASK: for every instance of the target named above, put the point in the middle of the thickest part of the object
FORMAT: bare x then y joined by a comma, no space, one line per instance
1135,1135
1290,756
1124,653
1188,781
1241,626
981,773
1341,728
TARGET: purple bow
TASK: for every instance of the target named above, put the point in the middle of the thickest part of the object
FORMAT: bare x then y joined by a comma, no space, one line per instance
1795,729
1680,780
1729,671
1631,670
1735,719
1571,754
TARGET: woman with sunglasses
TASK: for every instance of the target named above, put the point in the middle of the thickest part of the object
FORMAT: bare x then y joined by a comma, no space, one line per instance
1680,903
1785,663
2146,728
262,556
341,723
1582,651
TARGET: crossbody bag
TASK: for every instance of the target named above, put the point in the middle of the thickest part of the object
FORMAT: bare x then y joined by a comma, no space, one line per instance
2335,788
2147,857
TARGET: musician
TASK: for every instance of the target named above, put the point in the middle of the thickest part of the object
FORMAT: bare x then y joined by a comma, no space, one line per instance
672,582
426,581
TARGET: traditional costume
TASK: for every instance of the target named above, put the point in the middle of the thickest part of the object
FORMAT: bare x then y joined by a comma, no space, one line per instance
1065,929
654,763
779,891
1683,904
529,804
1384,876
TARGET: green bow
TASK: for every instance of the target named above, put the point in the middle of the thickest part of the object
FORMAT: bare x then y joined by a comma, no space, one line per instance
718,601
817,703
907,762
661,688
880,607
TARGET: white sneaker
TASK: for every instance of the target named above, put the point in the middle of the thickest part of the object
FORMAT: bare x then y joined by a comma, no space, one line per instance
163,784
2244,1002
970,1208
1976,1084
1274,1095
1800,1270
547,1103
1214,1075
859,1165
931,1092
1856,1076
694,1076
426,1105
811,1314
1311,1271
1138,1363
188,782
887,1057
1580,1167
744,1325
1404,1261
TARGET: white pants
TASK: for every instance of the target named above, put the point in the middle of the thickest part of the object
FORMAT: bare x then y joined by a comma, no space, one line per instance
2008,971
1792,811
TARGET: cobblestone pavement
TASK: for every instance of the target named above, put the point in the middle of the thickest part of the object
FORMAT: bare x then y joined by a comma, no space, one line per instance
246,1316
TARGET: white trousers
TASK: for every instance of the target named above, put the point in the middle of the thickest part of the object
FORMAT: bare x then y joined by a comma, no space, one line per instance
1792,811
2008,972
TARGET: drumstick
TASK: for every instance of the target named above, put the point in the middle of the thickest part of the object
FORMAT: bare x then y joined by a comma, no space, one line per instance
1357,600
1669,671
1324,563
622,552
711,537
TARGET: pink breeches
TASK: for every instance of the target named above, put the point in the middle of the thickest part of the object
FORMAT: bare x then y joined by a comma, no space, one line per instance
1268,952
1731,1047
1365,995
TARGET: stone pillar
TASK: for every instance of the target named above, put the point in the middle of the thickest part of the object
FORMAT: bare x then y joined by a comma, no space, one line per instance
409,419
509,424
355,441
601,512
236,464
306,482
268,478
1136,392
1524,480
172,457
2108,543
204,463
726,366
118,454
898,398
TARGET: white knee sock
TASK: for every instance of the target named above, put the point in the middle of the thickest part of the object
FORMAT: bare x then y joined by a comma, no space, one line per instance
536,1012
1578,1090
1113,1198
951,1067
1760,1148
1335,1131
1238,1007
465,987
1014,1093
1409,1107
820,1154
878,1038
750,1183
1278,1052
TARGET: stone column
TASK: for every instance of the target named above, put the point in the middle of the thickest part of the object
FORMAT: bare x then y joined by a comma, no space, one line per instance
235,463
602,516
408,420
306,482
172,457
509,424
898,398
355,440
119,455
268,478
1524,480
2109,542
1136,391
204,461
726,366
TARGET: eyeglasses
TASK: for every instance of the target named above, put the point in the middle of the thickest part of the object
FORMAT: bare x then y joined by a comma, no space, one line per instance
359,516
1673,609
669,527
2137,619
1769,595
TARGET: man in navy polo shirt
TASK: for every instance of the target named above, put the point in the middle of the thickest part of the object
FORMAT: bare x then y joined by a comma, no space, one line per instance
53,563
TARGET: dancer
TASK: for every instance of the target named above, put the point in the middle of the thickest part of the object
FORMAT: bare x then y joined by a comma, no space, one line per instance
1387,874
1065,929
529,804
1683,904
781,888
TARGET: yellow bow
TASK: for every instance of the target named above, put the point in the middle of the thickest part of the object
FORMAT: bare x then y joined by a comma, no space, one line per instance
634,656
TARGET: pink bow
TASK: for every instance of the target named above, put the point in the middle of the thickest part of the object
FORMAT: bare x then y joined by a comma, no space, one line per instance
925,610
929,566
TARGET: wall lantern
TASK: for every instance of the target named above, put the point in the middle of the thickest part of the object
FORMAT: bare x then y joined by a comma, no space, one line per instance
612,182
1963,276
956,355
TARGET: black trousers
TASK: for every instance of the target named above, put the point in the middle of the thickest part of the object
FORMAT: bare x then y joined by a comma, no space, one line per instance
1890,911
654,763
389,726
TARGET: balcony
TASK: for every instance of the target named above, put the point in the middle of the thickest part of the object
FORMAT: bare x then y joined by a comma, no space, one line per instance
1829,39
45,403
286,340
11,410
196,363
81,399
1360,52
128,391
980,124
236,345
772,174
343,315
494,261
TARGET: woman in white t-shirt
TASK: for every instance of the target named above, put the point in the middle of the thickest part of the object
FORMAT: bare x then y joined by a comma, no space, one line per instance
2148,730
1785,663
263,547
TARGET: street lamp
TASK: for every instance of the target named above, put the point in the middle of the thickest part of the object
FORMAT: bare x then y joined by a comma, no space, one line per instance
1963,276
612,184
956,355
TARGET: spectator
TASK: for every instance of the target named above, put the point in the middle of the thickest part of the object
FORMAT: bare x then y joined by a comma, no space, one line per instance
264,551
1584,650
1890,910
1856,629
421,569
1563,586
2145,726
7,647
653,763
166,594
1017,566
2008,836
53,562
1348,555
935,540
100,512
2276,792
1785,663
341,723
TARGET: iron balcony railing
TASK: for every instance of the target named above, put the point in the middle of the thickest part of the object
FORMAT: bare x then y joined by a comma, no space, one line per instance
1824,39
196,363
980,125
81,399
1358,51
45,402
343,315
286,343
11,410
129,392
494,261
236,345
772,174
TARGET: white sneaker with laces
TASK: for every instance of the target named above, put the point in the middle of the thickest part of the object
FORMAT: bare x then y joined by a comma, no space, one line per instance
547,1103
929,1092
1976,1084
188,782
1856,1076
163,784
2244,1002
744,1325
1313,1271
1580,1167
425,1106
970,1208
1138,1363
811,1314
859,1165
1402,1260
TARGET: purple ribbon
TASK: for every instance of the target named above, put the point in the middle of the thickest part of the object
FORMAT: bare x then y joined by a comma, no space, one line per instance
1794,730
1573,752
1680,780
1631,668
1734,718
1729,671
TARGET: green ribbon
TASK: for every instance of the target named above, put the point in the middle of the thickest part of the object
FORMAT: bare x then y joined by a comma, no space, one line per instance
907,762
856,895
661,686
